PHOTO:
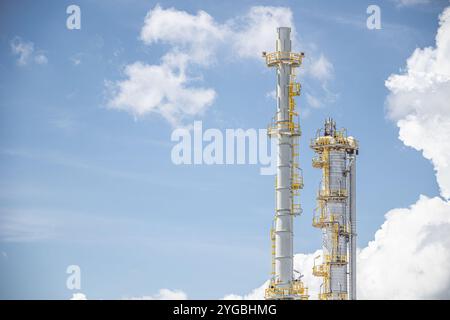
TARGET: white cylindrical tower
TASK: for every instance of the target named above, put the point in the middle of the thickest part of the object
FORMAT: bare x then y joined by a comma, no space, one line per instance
335,156
286,130
283,222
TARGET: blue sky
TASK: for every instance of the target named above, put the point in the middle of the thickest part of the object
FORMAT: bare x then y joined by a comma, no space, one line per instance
83,183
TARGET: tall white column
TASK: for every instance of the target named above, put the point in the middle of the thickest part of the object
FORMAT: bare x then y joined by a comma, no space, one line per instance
283,220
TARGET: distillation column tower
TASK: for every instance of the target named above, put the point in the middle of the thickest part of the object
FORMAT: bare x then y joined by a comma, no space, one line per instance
335,214
284,283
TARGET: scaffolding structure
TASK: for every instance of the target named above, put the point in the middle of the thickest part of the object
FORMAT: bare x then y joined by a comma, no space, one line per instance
335,213
289,180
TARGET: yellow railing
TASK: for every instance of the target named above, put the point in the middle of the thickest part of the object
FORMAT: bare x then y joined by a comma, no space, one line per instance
321,270
335,258
339,193
277,57
334,296
296,291
272,239
339,140
286,126
294,88
322,220
317,162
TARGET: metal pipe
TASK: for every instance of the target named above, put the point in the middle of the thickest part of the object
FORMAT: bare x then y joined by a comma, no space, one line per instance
352,206
285,129
283,221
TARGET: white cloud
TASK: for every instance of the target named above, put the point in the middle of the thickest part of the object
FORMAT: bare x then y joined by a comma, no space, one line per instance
255,294
304,263
166,88
23,49
25,52
160,89
410,255
409,3
321,69
165,294
256,31
418,101
78,296
196,35
171,88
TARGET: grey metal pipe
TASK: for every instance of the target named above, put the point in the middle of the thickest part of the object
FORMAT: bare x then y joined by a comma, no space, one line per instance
352,178
283,222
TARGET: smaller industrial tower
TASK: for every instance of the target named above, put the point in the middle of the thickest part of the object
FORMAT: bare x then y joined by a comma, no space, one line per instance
335,214
285,128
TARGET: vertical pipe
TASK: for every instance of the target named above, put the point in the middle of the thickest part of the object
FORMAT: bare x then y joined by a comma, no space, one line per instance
353,228
283,223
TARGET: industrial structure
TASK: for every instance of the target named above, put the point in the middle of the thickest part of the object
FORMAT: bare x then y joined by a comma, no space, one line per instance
335,214
284,284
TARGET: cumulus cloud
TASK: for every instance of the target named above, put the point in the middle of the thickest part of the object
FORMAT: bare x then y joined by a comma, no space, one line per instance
171,88
160,89
418,101
25,52
166,88
165,294
78,296
256,31
195,35
410,255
